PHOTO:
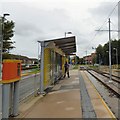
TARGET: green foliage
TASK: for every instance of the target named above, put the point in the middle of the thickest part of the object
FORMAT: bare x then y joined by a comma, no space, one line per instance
12,56
6,56
75,67
99,52
77,60
8,33
94,60
94,67
81,61
103,55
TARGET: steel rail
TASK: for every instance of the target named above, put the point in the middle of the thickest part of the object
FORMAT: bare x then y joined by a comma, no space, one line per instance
105,84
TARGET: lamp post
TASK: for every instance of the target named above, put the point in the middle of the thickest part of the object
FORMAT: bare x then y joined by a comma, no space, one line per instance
95,54
99,60
86,58
67,33
1,49
1,41
116,56
110,67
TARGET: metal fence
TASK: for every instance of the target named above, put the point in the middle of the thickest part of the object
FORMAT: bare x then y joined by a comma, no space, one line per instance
29,85
0,101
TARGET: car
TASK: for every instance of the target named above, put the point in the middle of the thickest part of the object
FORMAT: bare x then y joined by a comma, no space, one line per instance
96,65
82,67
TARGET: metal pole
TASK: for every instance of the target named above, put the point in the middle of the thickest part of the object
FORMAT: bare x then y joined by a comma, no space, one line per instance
1,40
11,97
16,98
118,20
99,59
42,68
5,90
86,57
117,57
110,67
65,34
1,44
0,101
5,100
54,67
35,85
0,67
1,48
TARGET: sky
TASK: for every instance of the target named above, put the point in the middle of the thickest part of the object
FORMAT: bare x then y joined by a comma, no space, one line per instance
50,19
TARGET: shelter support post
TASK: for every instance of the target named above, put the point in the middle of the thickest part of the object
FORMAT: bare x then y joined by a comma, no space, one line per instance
16,98
42,68
5,100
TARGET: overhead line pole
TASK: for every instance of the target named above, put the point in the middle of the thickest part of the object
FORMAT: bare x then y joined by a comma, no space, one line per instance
110,67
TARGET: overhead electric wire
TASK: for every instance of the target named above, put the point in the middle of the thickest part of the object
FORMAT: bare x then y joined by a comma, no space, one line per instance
106,20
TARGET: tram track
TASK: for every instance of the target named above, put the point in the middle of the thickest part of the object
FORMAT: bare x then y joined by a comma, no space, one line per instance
114,77
113,86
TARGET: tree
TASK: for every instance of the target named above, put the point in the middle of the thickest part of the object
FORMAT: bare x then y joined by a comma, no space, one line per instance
106,54
103,52
94,60
81,61
99,52
8,33
77,59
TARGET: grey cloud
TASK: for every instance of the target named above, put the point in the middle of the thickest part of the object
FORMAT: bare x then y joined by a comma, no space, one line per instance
33,24
44,19
104,9
24,29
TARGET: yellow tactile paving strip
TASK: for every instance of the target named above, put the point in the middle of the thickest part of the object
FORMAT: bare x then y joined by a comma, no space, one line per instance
100,107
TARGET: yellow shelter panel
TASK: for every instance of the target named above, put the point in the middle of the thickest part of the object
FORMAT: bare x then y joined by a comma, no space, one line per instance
63,63
47,67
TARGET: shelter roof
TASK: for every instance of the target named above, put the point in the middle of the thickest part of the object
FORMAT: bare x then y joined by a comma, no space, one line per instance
66,44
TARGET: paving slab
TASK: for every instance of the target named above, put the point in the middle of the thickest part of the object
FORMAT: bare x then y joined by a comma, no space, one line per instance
62,102
65,101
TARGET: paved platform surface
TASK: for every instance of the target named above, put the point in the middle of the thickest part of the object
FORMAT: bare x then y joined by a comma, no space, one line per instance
68,99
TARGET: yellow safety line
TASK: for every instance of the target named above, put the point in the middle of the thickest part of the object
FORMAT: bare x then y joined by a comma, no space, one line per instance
29,73
9,81
9,60
108,109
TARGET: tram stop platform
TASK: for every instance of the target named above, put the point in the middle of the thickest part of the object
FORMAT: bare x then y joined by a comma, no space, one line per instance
74,97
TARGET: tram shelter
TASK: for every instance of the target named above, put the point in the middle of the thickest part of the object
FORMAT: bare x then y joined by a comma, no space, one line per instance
54,53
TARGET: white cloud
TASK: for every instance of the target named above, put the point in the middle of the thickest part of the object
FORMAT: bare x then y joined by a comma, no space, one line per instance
47,19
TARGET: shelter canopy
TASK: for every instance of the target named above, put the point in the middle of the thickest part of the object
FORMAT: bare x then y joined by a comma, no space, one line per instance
66,44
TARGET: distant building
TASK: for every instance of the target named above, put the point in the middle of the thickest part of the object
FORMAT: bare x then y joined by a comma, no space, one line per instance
25,60
89,58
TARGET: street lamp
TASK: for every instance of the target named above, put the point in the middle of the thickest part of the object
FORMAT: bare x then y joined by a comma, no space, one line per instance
99,60
1,48
6,14
95,54
1,40
67,33
116,56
